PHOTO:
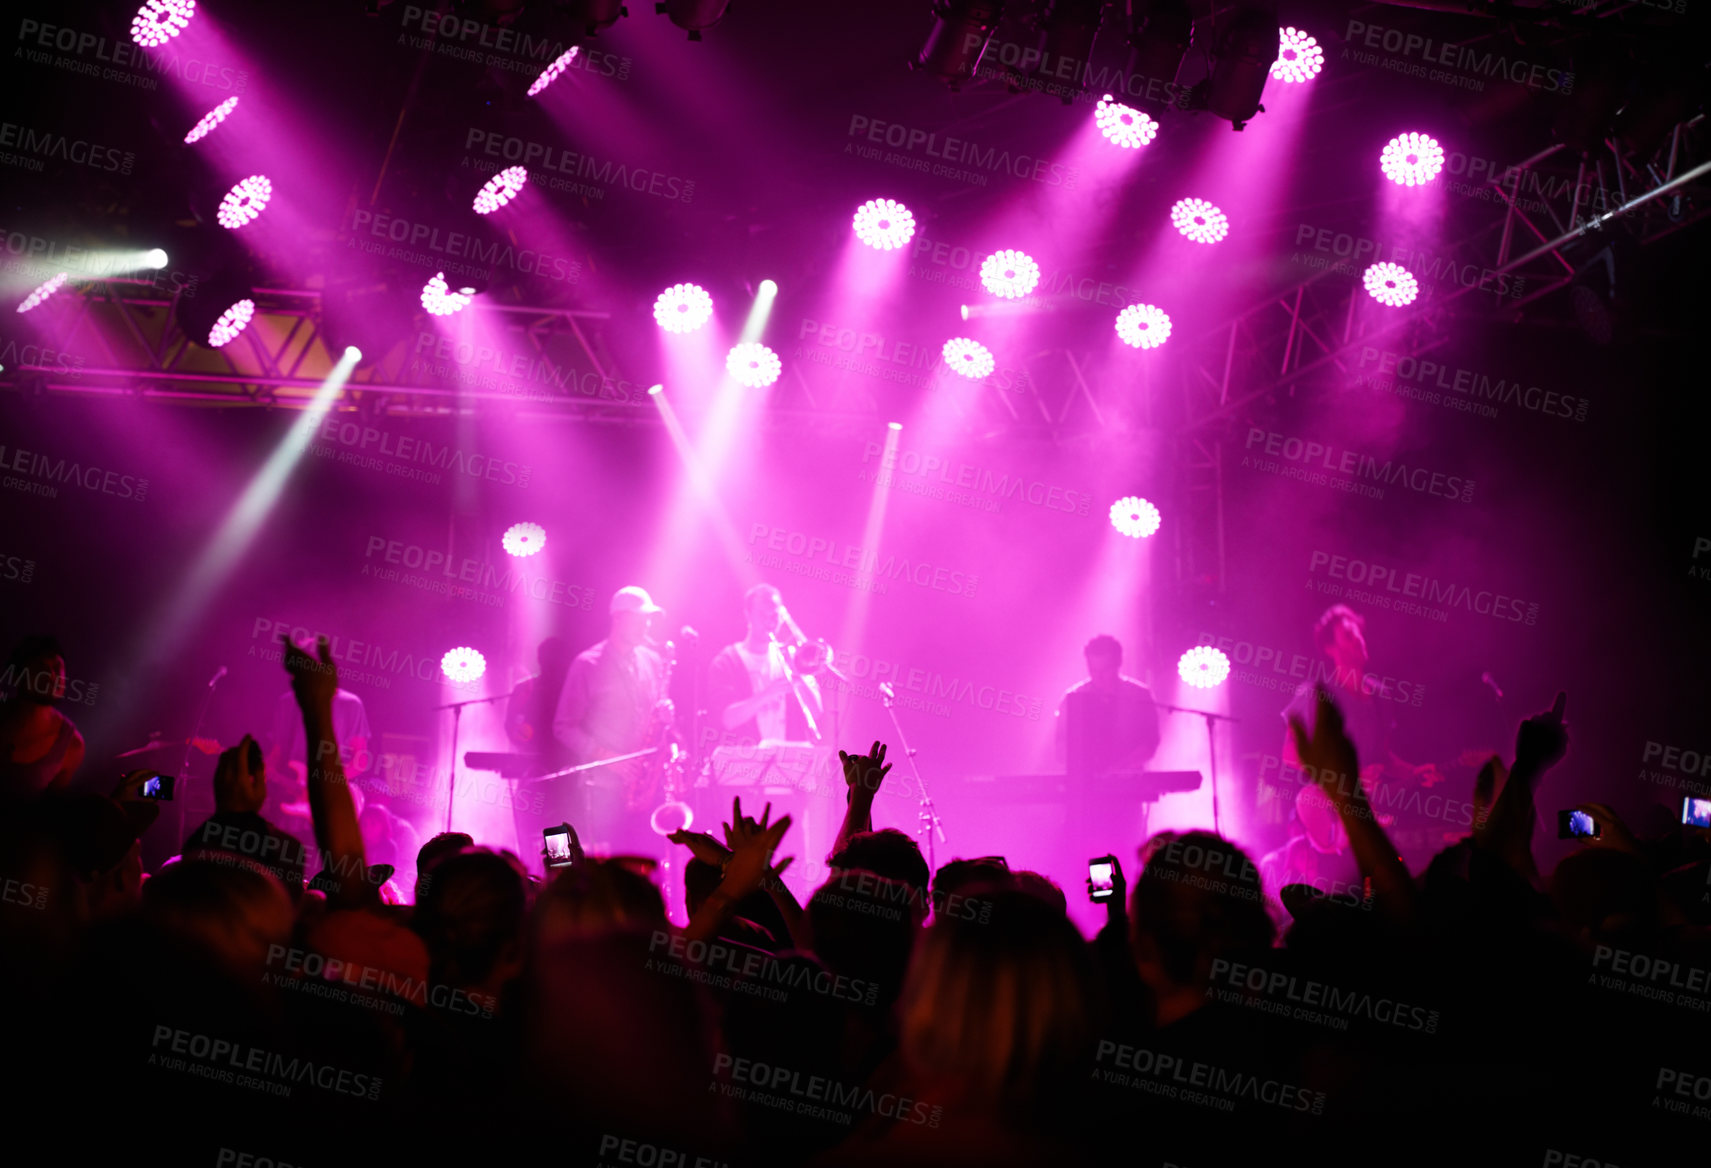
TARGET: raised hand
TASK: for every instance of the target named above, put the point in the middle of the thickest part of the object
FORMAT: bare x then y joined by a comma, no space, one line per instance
313,681
702,846
865,772
237,785
752,845
1612,832
1328,755
1542,740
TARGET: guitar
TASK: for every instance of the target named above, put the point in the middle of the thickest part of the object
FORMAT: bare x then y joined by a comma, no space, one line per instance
1324,827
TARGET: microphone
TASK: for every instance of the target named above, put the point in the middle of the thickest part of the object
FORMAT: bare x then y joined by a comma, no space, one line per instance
885,688
1492,682
215,679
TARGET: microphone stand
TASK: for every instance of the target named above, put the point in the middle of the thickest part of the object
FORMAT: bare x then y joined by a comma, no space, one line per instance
189,745
457,715
929,816
1212,720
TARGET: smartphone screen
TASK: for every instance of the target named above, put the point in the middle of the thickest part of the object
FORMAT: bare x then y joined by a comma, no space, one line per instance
558,845
1576,825
1100,885
1696,812
158,786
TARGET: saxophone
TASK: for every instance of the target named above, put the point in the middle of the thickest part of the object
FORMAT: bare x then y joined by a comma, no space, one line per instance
643,785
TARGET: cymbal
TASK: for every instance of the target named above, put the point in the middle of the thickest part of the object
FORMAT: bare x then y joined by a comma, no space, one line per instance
153,744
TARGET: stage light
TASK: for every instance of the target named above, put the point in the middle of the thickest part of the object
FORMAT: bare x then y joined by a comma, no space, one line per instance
964,311
156,258
1203,667
1241,64
1143,326
439,299
1391,284
551,72
894,425
884,223
1199,220
1009,274
500,189
683,308
961,29
244,202
47,289
231,322
209,120
1159,33
1071,27
754,365
593,15
159,21
1411,160
969,358
1299,57
1135,517
768,288
1123,125
463,664
655,390
693,15
524,539
353,354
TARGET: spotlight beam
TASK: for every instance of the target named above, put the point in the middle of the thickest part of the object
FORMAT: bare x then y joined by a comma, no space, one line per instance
243,522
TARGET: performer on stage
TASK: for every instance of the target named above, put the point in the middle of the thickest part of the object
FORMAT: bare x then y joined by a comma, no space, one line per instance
608,707
534,705
1319,853
1108,722
750,684
40,748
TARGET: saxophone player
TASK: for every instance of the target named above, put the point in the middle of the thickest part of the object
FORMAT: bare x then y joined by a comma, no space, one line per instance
608,707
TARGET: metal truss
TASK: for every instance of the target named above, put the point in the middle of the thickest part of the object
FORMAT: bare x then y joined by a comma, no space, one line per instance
1314,329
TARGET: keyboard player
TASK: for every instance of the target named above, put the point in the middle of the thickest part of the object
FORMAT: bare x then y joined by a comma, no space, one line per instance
1107,723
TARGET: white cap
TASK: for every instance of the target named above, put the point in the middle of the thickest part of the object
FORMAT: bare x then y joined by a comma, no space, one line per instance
633,599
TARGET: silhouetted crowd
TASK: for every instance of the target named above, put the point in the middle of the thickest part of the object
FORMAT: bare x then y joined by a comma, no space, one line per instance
258,1003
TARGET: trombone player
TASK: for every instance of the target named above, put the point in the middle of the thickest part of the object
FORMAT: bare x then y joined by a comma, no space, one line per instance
758,694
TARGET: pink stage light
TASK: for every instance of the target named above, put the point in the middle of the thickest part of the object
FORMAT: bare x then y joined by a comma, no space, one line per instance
1203,667
244,202
1135,517
683,308
754,365
1299,57
42,293
969,358
1411,160
463,664
1143,326
1199,220
232,322
1009,274
211,119
524,539
159,21
1123,125
551,72
1391,284
500,189
884,223
439,299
